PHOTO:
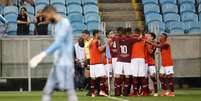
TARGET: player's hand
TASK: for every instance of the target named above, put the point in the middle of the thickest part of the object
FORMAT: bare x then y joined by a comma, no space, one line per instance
37,59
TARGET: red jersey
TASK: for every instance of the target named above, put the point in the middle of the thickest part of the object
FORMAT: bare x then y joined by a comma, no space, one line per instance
138,49
96,55
114,47
150,54
125,45
166,55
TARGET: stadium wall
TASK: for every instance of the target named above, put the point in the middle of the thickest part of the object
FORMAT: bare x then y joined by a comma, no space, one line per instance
16,51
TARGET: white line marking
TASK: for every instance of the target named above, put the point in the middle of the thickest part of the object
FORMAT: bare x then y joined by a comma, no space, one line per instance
115,98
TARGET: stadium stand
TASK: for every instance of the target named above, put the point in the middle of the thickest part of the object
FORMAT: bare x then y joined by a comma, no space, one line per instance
178,17
77,10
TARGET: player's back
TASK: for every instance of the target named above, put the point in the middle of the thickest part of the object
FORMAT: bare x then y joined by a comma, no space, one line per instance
63,32
95,54
125,45
138,49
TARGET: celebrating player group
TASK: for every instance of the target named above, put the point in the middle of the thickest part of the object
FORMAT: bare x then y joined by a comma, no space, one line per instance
132,64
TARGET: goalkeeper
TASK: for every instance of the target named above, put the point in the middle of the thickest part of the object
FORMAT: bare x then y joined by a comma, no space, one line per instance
62,75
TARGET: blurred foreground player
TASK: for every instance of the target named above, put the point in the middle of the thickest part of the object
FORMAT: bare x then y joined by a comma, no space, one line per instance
62,75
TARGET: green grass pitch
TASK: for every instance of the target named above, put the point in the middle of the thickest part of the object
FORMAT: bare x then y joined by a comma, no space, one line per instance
181,95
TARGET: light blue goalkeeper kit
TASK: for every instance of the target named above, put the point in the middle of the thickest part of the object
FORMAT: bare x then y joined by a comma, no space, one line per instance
62,74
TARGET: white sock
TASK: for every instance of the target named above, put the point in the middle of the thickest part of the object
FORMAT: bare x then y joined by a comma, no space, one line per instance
72,95
47,94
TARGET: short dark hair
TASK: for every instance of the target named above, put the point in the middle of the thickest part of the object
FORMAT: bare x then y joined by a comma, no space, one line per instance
86,32
95,32
153,35
128,30
120,30
49,8
23,8
166,36
137,30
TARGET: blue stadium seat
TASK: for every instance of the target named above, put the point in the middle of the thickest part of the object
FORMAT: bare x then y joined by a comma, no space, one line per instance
76,17
193,27
50,29
12,29
1,9
153,17
151,8
84,2
199,1
160,24
93,25
200,17
60,9
90,8
92,17
167,1
175,27
77,26
59,2
30,9
187,7
32,18
189,17
199,8
15,2
74,8
171,17
11,18
10,10
79,2
43,2
39,7
186,1
150,1
31,28
169,8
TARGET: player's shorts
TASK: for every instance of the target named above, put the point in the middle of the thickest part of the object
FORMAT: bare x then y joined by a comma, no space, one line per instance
97,70
138,67
146,70
152,70
122,68
114,61
108,69
61,77
167,70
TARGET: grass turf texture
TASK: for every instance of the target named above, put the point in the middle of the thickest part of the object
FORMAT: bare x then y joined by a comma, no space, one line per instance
181,95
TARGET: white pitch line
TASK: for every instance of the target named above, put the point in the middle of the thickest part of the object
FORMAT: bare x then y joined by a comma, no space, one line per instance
115,98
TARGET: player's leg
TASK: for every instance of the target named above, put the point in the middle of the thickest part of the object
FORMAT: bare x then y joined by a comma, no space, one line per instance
127,73
134,72
118,80
100,73
93,80
68,74
162,78
49,87
141,75
152,73
169,74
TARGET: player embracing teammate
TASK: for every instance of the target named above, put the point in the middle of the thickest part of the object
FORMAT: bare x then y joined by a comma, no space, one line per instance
133,55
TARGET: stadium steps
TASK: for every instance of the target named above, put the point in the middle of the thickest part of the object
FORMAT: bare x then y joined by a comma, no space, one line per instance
121,13
116,12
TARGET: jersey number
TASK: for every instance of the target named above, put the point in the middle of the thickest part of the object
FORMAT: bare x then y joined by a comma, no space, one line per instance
124,49
114,44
